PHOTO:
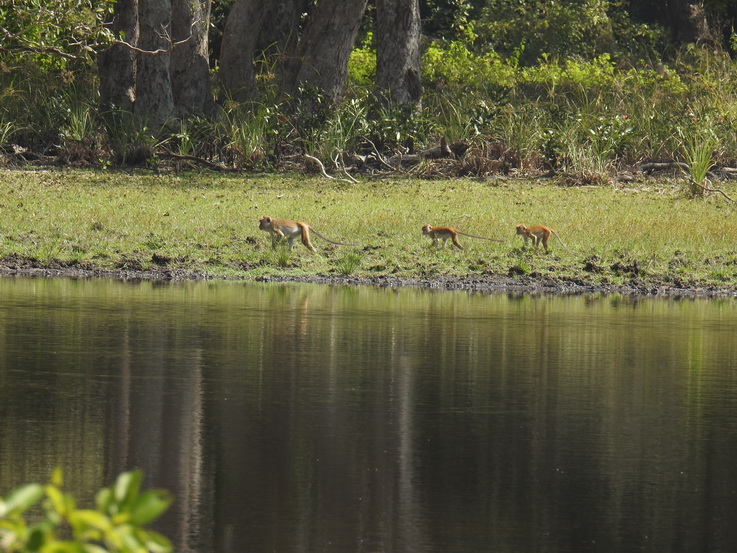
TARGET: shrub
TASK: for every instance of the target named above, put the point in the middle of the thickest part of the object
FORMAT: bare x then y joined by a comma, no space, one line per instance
116,525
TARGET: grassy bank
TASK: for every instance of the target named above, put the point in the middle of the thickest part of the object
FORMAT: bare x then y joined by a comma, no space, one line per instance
647,232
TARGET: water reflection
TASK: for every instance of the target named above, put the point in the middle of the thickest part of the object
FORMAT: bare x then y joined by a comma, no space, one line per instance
315,418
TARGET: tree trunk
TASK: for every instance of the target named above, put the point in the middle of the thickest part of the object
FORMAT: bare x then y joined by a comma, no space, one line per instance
321,60
117,64
256,29
679,20
190,68
236,72
398,49
154,100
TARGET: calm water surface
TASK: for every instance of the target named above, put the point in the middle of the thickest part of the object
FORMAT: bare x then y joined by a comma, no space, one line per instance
298,418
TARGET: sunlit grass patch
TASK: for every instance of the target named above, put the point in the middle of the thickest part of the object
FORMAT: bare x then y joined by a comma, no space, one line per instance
209,222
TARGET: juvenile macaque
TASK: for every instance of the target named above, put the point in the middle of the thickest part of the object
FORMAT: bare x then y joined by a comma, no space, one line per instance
443,233
537,234
281,229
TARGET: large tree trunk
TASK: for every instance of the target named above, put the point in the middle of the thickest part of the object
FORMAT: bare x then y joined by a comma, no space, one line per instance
679,19
117,64
154,100
190,68
398,49
321,60
256,29
236,73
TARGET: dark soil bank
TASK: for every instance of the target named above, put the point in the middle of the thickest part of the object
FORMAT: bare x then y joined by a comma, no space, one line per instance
23,267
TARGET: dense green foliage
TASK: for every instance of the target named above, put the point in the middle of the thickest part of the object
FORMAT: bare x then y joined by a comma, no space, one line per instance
115,525
580,86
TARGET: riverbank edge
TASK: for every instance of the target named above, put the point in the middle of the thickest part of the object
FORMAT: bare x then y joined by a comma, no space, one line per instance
472,283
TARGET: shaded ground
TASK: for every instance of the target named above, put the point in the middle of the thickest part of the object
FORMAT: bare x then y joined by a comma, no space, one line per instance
14,265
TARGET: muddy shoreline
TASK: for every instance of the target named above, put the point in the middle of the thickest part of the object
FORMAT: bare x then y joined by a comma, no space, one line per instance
475,283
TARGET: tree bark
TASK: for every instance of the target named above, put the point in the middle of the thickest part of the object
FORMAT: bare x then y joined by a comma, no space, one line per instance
117,64
154,100
255,30
398,50
190,68
679,20
321,59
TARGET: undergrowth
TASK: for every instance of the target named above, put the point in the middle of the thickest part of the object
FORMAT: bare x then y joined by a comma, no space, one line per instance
585,118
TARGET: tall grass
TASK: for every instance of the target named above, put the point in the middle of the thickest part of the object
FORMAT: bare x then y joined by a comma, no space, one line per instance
698,147
129,137
80,122
250,131
7,129
339,134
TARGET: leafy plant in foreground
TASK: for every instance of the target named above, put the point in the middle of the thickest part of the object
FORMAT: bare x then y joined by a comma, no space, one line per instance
115,526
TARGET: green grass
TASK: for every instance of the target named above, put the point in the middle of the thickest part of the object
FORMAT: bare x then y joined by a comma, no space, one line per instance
651,231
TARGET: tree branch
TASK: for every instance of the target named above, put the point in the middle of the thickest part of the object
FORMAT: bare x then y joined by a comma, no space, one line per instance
322,168
379,157
196,159
163,35
707,189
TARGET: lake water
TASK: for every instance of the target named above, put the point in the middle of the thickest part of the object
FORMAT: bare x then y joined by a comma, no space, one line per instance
306,418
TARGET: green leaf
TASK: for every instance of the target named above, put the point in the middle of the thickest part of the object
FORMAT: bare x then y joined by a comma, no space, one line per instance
157,543
128,537
104,499
21,499
127,486
87,518
61,504
12,532
36,538
57,477
149,506
92,548
62,547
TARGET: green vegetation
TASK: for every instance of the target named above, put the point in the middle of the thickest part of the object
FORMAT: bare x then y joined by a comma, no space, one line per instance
644,232
115,526
587,119
585,88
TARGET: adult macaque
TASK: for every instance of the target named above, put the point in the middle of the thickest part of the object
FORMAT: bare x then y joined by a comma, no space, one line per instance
281,229
537,234
443,233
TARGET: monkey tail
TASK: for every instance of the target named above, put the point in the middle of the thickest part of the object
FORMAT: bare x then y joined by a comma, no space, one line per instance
561,241
479,237
329,240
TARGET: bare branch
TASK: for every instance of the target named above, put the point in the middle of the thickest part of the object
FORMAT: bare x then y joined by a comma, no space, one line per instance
707,189
322,168
320,165
163,35
338,161
196,159
381,160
